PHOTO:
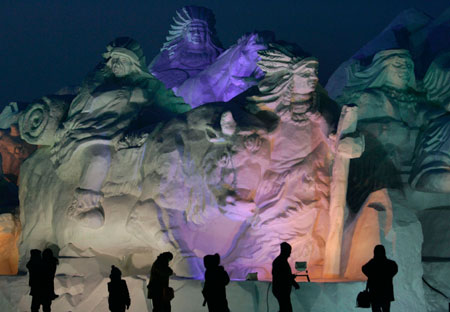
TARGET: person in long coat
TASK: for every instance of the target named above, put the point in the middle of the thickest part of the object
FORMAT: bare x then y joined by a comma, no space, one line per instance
216,279
158,287
380,272
119,297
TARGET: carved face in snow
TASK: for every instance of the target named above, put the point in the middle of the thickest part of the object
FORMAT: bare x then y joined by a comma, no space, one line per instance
399,72
305,79
195,34
121,65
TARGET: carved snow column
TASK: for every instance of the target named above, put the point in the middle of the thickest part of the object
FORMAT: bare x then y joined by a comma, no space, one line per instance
348,145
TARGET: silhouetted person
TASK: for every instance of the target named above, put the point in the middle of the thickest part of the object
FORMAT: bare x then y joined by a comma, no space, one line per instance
283,279
158,287
49,263
39,291
216,278
380,272
119,298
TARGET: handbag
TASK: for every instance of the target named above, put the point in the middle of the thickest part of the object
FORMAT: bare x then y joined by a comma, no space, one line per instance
168,294
363,298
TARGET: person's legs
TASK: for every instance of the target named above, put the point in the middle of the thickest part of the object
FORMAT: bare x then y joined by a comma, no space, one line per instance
284,301
376,307
157,305
35,304
386,306
46,305
161,306
288,304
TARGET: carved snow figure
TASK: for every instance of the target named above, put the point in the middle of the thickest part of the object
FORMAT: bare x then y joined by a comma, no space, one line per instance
431,169
108,102
390,114
193,63
289,201
406,139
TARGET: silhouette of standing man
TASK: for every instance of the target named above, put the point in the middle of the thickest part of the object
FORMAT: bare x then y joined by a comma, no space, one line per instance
283,279
158,287
380,271
216,278
40,291
119,298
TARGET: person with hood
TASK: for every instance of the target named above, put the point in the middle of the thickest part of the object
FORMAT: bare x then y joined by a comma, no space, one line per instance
216,278
119,298
380,271
158,287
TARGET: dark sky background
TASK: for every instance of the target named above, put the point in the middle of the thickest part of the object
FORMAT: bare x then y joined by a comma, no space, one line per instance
48,44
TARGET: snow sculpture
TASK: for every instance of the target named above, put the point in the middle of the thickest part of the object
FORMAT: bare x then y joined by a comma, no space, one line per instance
431,168
406,132
391,110
106,105
235,178
194,65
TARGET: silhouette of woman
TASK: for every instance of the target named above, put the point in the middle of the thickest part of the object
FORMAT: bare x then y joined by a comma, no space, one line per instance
158,287
216,278
380,272
119,298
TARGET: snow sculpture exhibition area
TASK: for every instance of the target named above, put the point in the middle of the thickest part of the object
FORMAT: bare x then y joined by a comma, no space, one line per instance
235,151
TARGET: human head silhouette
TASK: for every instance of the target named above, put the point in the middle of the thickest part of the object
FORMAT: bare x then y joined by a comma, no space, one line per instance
211,261
285,249
216,259
35,254
379,252
116,274
166,257
47,253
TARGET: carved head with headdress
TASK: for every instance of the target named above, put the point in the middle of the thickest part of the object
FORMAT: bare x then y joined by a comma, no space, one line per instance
124,56
389,68
124,60
194,29
290,82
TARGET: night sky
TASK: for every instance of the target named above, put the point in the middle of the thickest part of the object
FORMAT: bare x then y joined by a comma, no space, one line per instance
49,44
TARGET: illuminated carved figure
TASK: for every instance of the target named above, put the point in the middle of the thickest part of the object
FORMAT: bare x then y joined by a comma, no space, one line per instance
431,168
110,99
193,63
392,112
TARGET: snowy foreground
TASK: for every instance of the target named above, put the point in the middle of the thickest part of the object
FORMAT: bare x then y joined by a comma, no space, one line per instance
90,294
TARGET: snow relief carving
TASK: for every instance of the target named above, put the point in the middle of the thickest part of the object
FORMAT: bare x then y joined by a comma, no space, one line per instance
218,178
